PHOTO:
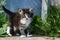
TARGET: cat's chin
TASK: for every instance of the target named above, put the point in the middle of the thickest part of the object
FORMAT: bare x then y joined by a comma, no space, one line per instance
23,21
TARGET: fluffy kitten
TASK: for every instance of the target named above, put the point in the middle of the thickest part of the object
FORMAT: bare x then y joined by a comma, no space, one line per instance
19,21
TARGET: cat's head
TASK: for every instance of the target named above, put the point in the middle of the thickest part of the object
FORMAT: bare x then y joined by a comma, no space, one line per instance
26,13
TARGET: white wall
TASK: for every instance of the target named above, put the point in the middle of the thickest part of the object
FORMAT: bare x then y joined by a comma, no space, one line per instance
13,5
44,10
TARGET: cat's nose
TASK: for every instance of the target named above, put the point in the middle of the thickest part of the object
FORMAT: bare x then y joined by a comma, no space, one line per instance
26,18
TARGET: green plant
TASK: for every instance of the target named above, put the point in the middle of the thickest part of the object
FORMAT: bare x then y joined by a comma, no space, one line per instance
54,20
36,25
3,19
52,25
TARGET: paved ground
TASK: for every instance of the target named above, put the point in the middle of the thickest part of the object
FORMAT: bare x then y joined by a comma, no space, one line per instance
28,38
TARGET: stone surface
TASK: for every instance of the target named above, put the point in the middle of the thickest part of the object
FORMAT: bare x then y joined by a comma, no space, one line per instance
28,38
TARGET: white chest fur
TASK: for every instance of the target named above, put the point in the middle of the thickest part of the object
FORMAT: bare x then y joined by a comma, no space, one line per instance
26,22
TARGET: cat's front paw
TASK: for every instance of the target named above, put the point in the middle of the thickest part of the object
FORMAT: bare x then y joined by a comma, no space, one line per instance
9,35
29,35
23,36
17,34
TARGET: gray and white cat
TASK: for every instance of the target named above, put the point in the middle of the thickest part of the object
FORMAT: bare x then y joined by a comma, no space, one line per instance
19,21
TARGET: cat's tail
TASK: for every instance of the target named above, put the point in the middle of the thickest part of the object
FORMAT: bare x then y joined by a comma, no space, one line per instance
7,11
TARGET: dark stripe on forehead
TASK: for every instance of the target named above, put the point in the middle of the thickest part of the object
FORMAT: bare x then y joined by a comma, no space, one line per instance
25,10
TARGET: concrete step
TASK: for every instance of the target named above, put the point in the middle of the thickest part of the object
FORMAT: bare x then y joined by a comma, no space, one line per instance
28,38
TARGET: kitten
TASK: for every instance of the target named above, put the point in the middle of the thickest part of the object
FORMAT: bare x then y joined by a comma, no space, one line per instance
19,21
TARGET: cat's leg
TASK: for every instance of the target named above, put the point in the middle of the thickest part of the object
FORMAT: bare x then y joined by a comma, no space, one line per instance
22,32
29,31
16,31
8,30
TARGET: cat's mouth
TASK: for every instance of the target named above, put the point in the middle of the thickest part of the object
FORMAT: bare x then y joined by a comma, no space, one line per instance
26,18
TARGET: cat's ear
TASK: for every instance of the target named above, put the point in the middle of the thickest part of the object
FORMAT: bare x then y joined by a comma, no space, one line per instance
30,9
20,11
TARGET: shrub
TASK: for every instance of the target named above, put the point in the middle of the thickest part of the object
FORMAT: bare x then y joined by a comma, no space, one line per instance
3,19
52,25
54,20
36,24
